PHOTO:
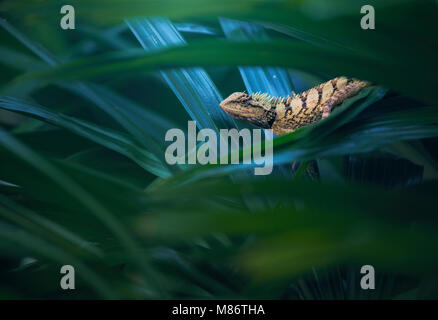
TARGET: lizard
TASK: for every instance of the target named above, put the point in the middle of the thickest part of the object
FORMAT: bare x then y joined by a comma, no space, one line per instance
285,115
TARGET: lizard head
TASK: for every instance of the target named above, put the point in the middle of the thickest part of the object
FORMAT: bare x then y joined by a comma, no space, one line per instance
254,108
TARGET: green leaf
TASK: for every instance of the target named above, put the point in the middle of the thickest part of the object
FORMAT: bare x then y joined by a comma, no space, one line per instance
16,237
79,194
332,223
105,137
277,53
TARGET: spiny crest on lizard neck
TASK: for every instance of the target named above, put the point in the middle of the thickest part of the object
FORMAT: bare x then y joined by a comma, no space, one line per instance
268,101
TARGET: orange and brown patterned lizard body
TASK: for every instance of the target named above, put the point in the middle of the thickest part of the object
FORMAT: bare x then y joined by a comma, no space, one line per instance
285,115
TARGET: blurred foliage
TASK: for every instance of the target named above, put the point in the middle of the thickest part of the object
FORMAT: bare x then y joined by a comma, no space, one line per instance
83,180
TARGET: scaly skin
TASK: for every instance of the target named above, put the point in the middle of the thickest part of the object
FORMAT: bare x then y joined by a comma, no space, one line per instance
285,115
